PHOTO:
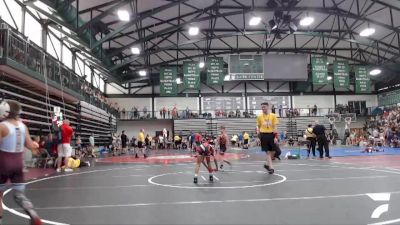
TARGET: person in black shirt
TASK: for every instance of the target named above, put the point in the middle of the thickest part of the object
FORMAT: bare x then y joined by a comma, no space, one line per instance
124,142
319,131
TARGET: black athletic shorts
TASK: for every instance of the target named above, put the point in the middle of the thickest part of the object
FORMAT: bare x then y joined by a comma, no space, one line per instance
123,145
140,144
246,141
267,142
222,148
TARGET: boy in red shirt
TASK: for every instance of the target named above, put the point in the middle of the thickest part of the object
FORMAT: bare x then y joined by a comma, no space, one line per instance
64,149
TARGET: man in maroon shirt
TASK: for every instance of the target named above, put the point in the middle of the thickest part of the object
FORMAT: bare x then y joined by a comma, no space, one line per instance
64,148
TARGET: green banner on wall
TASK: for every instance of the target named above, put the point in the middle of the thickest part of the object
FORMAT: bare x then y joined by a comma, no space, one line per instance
319,69
341,74
215,71
168,86
362,80
191,75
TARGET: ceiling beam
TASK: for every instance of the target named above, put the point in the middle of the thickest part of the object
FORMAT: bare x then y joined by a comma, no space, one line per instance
138,18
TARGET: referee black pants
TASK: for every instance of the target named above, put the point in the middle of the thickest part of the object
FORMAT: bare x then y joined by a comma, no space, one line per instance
323,144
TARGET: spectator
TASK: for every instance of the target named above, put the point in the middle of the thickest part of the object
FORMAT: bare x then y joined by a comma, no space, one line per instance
280,110
177,141
124,142
169,114
164,111
78,144
145,112
141,142
273,109
91,146
64,149
314,111
246,138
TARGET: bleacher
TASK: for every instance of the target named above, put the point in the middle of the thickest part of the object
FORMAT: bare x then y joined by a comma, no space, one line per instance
37,112
293,126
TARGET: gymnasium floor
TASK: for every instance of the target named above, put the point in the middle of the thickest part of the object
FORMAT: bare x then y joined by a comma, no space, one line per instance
121,190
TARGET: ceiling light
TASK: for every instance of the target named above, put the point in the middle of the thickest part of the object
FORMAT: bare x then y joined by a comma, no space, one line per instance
329,78
123,15
292,27
327,63
178,80
227,77
306,21
193,31
201,64
375,72
272,24
135,50
254,21
367,32
142,73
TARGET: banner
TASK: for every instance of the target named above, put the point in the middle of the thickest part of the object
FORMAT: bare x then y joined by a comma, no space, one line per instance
215,71
341,74
319,69
191,75
362,80
168,86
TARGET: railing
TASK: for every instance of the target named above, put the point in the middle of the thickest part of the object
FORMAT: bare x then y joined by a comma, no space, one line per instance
190,114
17,48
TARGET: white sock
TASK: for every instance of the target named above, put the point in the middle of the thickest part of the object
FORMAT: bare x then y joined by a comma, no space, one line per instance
195,175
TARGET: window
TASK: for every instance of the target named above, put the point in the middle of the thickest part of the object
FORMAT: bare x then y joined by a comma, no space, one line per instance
16,14
79,67
67,57
53,46
102,85
33,29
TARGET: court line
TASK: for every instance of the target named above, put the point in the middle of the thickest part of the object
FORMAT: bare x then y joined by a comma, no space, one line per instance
203,178
209,202
386,222
15,212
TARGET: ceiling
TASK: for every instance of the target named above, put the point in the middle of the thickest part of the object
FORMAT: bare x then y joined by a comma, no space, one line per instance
160,29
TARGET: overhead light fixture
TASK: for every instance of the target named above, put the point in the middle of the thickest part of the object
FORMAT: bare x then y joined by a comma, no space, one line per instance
306,21
375,72
178,80
367,32
142,73
193,31
329,78
272,4
327,63
123,15
254,21
292,27
272,24
135,50
227,77
201,64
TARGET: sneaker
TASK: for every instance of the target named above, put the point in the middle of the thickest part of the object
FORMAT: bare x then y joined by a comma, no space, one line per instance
221,166
145,156
88,164
58,170
195,180
271,171
27,206
266,167
68,170
136,156
211,178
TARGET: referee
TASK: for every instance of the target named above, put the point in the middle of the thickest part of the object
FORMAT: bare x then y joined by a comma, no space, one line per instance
266,128
319,131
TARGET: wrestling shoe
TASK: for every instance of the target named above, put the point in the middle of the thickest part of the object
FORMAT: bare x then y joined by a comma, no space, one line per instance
266,167
211,178
27,206
271,171
195,180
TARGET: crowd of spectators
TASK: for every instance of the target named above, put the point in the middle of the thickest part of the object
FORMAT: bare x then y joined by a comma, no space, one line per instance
381,130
